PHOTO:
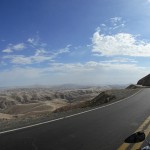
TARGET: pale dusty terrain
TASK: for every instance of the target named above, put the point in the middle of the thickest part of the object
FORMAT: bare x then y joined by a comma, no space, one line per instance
5,116
32,109
32,102
26,110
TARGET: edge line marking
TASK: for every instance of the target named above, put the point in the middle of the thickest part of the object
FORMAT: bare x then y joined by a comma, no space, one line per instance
69,116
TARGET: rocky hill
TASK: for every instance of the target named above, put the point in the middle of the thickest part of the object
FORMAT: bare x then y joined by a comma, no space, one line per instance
12,97
145,81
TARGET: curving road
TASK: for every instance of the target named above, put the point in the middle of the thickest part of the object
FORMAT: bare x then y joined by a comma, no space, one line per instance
101,129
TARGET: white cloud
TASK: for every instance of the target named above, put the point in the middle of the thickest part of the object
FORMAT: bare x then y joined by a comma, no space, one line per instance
63,50
79,73
99,72
103,25
19,46
31,40
119,44
36,42
11,48
7,50
116,19
24,60
115,24
40,52
120,60
19,76
41,55
20,59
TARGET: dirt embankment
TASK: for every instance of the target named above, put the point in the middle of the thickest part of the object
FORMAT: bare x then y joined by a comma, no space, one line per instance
101,99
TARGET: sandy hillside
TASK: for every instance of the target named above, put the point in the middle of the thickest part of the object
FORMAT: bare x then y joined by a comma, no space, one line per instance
34,102
5,116
32,109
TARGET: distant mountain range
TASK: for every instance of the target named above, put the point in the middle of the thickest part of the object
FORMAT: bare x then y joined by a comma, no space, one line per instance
67,86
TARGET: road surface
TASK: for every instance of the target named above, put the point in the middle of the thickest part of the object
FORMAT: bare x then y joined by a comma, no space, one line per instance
102,129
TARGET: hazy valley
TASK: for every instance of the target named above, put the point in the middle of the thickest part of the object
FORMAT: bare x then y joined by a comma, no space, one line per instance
21,102
25,106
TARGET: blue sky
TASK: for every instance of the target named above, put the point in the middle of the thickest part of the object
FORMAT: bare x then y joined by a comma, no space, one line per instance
52,42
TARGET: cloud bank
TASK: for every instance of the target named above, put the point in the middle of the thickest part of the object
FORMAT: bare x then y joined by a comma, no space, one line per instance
123,44
91,72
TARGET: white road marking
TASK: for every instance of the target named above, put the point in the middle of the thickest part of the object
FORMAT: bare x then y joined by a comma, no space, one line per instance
69,116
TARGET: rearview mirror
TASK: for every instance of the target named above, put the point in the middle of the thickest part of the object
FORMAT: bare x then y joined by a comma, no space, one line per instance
136,137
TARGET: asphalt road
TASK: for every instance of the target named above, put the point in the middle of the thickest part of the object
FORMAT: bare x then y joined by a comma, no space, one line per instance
102,129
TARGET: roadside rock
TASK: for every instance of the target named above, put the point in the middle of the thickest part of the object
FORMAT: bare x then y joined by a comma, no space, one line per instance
135,86
102,98
145,81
